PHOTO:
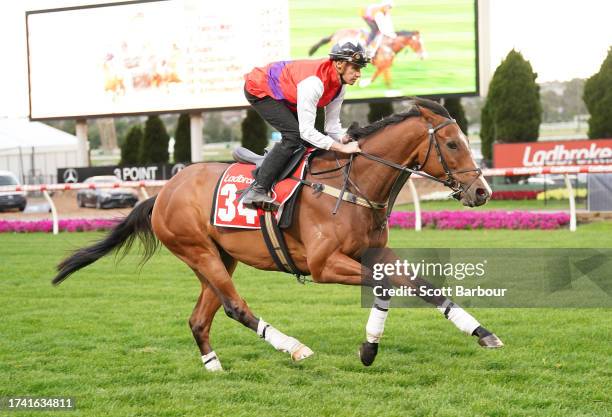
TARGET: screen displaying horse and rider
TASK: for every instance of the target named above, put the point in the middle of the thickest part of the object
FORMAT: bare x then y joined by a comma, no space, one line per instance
414,51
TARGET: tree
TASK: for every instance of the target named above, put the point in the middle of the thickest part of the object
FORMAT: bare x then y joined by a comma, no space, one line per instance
552,106
130,148
486,135
154,147
455,109
182,139
213,125
598,99
254,132
379,110
573,103
512,112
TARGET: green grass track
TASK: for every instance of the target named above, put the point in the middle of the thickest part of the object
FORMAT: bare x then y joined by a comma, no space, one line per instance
116,339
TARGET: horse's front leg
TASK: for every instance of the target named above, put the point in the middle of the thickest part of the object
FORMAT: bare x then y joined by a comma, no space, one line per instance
463,320
387,76
342,269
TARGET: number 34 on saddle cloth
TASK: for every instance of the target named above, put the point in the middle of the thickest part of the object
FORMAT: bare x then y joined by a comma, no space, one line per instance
229,212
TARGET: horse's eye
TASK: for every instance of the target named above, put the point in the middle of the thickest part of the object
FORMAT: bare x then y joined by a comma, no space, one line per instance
452,145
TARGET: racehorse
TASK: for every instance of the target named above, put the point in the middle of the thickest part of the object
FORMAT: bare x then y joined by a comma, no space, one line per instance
386,52
327,247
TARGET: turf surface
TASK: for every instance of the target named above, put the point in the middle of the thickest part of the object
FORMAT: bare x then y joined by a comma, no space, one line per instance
116,339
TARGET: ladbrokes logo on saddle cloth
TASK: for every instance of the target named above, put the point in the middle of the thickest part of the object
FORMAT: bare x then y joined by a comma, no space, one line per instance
228,212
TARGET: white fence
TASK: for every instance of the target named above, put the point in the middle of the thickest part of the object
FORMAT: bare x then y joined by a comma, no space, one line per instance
565,170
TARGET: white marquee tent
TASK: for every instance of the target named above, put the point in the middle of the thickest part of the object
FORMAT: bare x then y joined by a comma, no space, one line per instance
33,151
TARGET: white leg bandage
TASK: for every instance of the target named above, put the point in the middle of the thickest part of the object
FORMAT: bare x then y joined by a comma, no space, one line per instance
211,362
279,340
376,321
460,318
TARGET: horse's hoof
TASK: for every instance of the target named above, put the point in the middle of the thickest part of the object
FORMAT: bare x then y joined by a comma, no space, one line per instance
491,342
301,353
367,353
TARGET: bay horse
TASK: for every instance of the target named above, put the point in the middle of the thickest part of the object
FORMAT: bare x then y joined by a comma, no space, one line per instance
386,52
327,247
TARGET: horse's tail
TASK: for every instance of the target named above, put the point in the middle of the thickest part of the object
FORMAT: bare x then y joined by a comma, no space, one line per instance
136,224
319,44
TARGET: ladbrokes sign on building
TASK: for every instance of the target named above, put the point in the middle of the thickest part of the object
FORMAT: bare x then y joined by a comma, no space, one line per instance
537,154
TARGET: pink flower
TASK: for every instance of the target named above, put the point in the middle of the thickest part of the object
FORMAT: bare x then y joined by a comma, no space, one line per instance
65,225
481,220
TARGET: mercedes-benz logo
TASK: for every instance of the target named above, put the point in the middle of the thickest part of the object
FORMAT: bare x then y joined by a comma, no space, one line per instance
71,175
177,168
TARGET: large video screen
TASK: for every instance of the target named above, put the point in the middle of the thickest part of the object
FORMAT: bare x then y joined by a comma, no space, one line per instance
173,55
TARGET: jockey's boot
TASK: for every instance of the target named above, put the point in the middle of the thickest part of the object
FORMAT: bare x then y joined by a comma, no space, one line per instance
257,196
272,165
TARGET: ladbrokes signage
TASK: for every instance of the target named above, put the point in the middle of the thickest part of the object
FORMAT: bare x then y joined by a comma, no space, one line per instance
537,154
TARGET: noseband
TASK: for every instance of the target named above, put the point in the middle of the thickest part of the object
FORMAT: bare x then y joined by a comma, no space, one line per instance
450,181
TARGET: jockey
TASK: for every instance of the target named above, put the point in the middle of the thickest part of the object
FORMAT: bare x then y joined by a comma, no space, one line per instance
287,93
378,18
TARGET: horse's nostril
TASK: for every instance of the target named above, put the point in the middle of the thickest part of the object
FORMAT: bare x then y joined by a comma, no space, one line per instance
481,192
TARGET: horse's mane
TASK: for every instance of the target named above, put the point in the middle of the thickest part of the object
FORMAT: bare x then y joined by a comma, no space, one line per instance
357,132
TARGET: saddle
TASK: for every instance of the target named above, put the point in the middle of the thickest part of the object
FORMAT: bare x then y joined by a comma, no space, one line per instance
228,210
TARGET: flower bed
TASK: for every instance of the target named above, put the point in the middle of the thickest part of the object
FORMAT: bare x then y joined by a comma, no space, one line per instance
401,219
481,220
68,225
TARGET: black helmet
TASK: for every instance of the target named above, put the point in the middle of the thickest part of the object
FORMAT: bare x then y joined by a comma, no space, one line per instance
349,52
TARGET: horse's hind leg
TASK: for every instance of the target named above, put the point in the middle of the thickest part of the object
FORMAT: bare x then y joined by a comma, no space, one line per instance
200,323
203,314
209,262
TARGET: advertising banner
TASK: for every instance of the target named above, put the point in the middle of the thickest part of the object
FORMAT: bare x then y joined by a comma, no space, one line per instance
123,173
552,153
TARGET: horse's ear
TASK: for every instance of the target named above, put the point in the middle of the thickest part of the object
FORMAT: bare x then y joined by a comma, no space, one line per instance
427,114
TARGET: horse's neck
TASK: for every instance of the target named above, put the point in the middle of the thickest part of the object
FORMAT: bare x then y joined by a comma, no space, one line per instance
395,144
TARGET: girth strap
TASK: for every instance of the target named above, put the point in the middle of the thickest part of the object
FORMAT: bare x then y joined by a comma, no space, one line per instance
277,246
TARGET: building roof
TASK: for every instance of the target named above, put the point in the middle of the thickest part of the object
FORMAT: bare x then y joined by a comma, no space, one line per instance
15,133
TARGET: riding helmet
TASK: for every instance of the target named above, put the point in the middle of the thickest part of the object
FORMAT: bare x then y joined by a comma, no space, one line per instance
351,52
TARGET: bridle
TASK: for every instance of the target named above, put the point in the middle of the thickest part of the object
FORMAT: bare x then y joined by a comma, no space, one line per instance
450,181
361,199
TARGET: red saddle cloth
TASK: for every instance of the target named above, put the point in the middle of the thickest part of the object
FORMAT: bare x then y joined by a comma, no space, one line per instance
227,212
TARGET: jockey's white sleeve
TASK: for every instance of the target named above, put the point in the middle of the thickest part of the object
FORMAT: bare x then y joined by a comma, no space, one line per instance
333,127
309,92
385,24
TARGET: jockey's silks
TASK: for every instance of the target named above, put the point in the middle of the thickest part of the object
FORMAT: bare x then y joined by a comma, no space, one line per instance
279,80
